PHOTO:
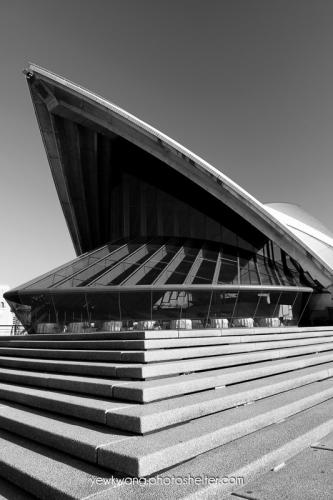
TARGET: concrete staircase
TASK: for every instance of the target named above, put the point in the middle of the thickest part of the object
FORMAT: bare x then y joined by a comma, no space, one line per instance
78,412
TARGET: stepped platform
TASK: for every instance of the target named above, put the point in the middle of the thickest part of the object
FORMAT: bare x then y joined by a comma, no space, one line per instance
81,412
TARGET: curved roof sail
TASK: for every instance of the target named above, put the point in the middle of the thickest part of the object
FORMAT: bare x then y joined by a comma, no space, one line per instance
80,131
309,230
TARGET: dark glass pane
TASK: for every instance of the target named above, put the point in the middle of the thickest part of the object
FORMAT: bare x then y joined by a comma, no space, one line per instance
104,307
98,268
180,273
42,310
248,271
167,305
156,269
205,273
228,272
246,305
268,307
70,308
138,253
135,306
71,268
290,307
21,309
198,306
127,272
223,305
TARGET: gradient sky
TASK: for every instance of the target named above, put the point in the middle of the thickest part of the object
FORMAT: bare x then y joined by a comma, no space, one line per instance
246,84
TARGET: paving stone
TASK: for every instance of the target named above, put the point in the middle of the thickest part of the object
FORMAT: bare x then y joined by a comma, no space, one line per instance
307,476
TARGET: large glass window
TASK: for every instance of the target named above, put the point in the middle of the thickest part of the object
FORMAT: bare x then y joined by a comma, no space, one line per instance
223,304
51,312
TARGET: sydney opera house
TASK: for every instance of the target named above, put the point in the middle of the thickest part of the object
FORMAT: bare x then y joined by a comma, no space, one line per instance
163,239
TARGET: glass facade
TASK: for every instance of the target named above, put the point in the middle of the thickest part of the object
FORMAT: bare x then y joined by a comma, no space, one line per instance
175,261
159,309
166,283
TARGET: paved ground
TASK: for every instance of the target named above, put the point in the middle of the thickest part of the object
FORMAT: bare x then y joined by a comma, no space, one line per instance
307,476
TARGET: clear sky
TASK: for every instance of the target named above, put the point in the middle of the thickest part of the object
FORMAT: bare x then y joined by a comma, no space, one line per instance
246,84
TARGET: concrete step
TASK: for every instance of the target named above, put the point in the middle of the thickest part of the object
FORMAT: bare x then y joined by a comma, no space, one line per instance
9,491
63,382
49,474
53,475
141,419
146,455
151,417
164,343
95,386
157,355
126,335
86,344
152,390
146,391
58,366
163,334
66,434
325,444
62,354
239,331
222,471
161,369
281,377
82,407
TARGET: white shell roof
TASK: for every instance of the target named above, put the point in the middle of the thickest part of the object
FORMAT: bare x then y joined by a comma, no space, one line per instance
312,241
314,238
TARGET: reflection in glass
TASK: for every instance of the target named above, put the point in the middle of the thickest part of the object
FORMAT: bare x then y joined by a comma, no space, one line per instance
67,311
